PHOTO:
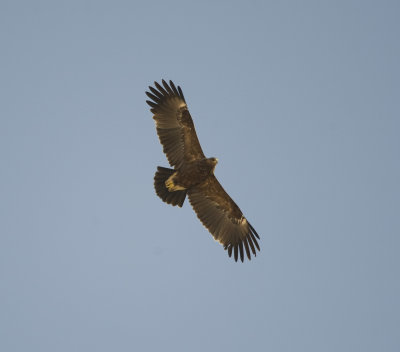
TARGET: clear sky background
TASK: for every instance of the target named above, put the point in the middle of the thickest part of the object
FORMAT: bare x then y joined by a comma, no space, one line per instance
300,102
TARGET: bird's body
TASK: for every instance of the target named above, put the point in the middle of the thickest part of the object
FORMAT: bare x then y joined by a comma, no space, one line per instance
193,174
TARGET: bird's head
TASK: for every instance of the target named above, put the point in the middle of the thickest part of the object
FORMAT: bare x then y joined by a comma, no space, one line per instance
213,162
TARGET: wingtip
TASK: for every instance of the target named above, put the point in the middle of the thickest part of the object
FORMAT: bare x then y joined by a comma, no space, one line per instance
151,104
253,230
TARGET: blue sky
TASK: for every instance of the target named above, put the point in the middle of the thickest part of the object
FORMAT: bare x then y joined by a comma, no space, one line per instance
300,103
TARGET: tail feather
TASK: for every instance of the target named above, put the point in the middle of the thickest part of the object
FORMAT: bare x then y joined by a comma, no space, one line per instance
173,198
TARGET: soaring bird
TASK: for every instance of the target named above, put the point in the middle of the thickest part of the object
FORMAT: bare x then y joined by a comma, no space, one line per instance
193,174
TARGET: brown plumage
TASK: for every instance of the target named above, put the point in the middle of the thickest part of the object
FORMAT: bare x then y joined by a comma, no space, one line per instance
193,174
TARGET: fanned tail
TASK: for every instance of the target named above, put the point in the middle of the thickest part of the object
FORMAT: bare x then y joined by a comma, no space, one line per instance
173,198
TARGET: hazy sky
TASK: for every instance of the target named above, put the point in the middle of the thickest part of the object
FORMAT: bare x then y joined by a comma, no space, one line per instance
299,100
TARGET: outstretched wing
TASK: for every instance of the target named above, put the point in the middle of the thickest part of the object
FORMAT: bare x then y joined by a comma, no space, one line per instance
223,218
174,124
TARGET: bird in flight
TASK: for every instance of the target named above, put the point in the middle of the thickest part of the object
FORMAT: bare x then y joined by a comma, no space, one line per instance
192,174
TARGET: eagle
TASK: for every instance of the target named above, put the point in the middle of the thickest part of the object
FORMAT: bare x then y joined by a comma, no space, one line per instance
193,174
